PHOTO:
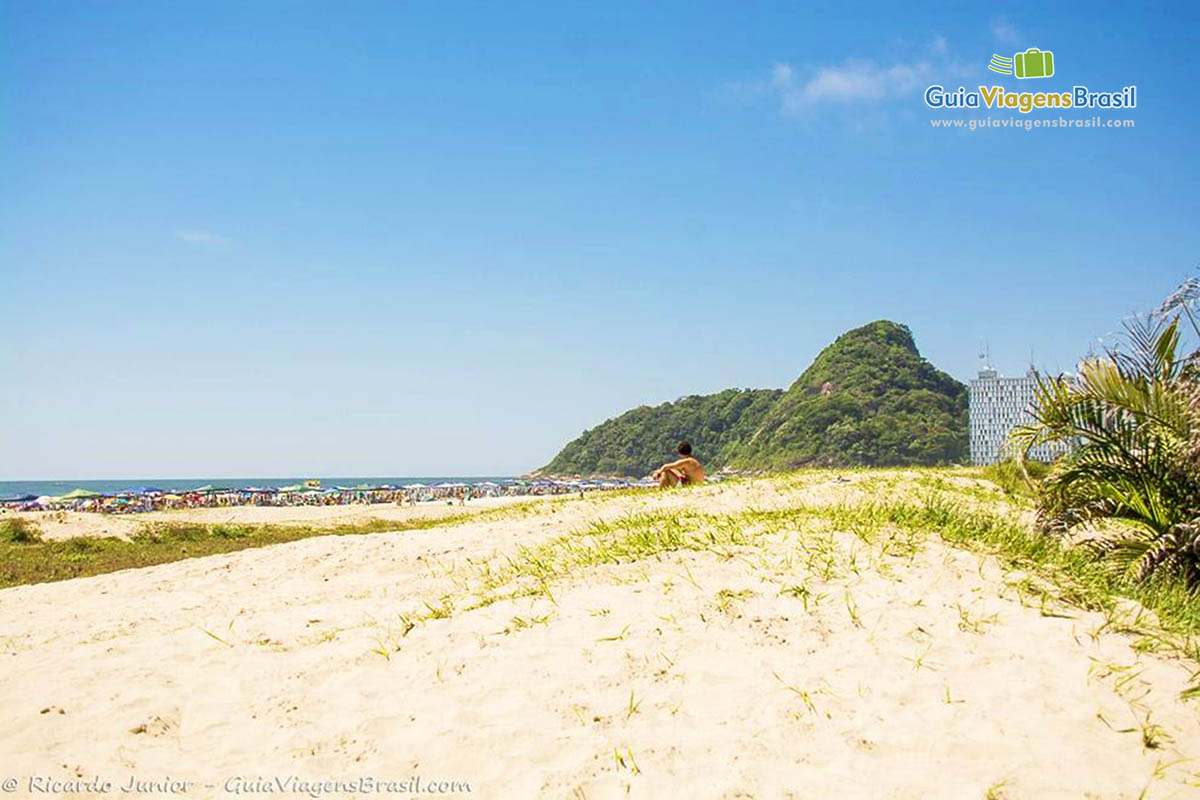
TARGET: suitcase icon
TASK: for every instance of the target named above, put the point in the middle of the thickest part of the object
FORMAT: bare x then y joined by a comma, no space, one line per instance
1034,63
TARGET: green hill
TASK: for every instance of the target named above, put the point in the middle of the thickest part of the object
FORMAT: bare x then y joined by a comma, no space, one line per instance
639,440
868,399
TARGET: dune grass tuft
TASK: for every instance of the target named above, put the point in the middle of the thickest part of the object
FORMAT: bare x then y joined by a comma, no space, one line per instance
17,530
1007,475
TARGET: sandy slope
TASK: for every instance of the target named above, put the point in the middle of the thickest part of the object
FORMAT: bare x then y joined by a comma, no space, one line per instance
666,677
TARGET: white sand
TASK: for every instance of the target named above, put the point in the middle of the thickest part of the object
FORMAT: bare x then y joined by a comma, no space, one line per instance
261,663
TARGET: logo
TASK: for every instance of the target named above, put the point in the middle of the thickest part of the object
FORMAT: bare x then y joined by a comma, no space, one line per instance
1033,63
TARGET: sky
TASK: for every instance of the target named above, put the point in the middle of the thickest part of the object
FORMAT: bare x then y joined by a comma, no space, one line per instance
274,239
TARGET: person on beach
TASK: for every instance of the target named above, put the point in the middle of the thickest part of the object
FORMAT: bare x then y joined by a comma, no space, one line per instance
687,471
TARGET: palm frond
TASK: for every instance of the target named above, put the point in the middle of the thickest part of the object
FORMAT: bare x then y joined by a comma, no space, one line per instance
1133,418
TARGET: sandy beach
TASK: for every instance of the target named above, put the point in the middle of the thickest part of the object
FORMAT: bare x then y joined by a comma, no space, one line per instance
69,524
547,651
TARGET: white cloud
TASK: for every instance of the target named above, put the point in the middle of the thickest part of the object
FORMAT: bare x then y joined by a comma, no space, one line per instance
192,236
864,85
853,81
1005,32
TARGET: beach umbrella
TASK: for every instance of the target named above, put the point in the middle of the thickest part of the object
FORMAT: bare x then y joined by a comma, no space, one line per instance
18,498
293,488
79,494
416,486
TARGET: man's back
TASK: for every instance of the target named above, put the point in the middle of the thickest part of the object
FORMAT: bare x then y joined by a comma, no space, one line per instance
693,470
686,470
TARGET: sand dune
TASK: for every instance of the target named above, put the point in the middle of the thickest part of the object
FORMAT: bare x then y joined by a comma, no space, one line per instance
788,663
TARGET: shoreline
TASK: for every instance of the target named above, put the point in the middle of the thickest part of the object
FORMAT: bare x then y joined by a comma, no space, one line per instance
60,525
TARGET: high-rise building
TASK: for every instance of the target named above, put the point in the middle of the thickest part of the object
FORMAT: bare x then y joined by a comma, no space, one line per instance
997,406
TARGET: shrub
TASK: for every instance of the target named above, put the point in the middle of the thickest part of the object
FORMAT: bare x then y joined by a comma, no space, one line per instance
1134,418
19,531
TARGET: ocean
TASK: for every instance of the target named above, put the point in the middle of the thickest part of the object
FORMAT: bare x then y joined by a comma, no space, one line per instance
56,488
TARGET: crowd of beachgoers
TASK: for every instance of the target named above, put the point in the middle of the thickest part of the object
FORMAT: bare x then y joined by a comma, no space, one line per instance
145,498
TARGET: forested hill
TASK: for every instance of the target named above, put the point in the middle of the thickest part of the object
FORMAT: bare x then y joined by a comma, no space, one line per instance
867,399
639,440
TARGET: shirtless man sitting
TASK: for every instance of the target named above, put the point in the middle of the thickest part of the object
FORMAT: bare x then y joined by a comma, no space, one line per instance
684,472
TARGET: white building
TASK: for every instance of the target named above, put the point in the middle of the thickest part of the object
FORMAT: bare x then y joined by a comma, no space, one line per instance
997,406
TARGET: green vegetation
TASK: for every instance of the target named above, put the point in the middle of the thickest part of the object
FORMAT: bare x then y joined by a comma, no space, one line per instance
639,440
1134,417
26,558
868,399
18,530
1009,477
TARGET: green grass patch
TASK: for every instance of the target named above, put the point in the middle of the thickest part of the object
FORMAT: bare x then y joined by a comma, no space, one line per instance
26,558
1007,475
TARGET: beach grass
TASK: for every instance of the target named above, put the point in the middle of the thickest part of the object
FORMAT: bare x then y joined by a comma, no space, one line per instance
17,530
1007,475
27,558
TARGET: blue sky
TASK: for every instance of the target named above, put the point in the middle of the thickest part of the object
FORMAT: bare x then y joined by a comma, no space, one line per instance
252,239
